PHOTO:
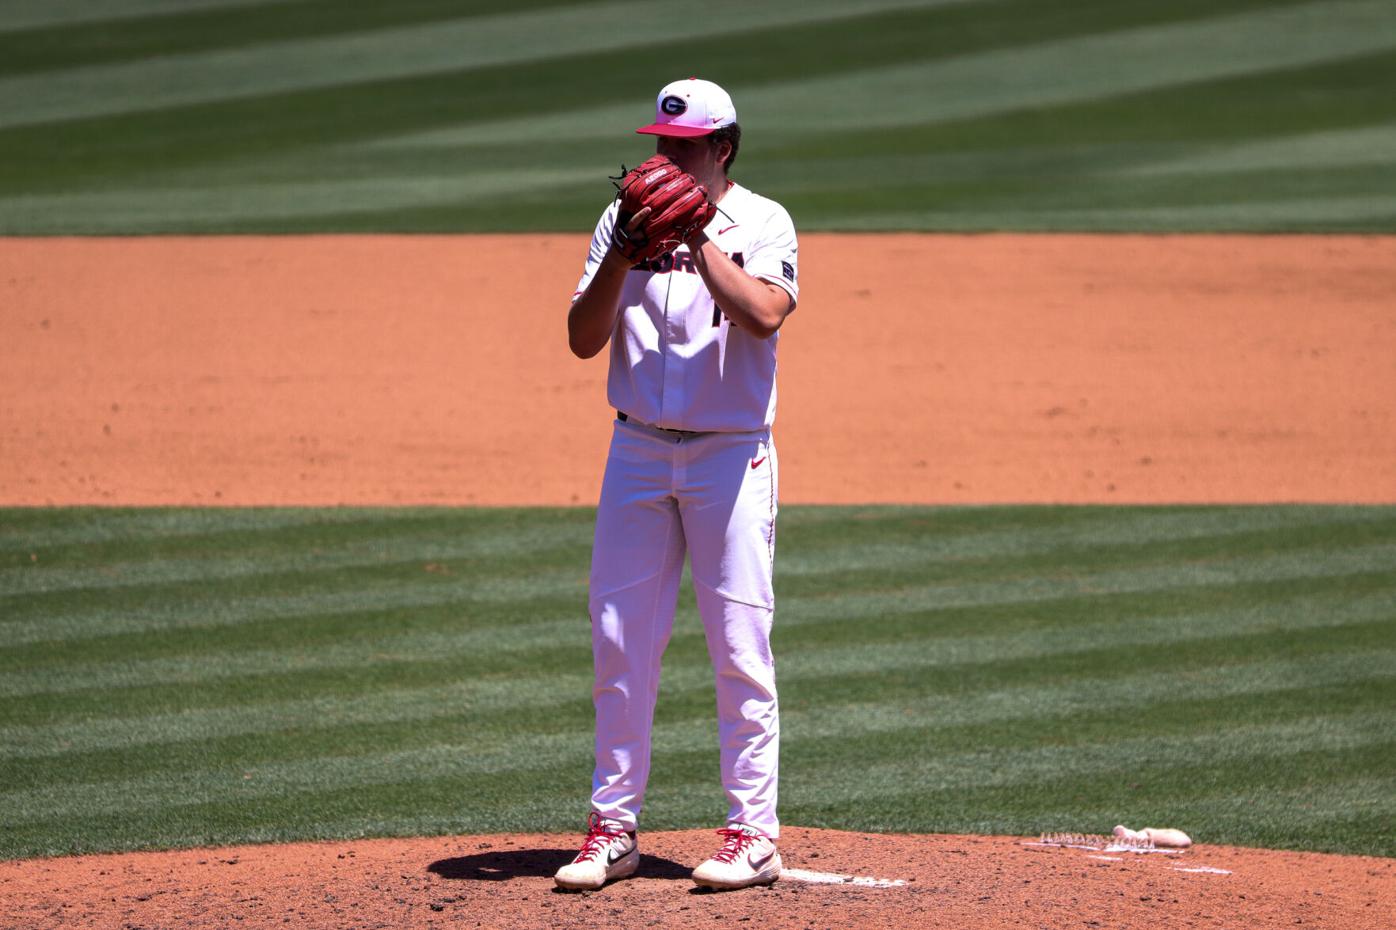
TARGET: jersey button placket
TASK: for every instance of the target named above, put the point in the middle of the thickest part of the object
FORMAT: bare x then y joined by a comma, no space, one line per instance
674,334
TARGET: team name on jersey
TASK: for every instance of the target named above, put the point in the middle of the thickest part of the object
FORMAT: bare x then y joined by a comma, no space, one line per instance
680,261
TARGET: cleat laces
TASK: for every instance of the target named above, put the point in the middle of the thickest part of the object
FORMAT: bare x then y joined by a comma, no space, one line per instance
736,843
599,834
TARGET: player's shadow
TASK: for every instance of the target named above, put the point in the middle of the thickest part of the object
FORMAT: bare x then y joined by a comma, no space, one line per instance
505,864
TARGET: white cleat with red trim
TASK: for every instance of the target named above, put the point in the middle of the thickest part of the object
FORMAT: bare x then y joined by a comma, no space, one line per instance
747,857
608,853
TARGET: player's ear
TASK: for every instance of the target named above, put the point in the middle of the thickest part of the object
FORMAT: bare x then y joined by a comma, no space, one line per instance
722,148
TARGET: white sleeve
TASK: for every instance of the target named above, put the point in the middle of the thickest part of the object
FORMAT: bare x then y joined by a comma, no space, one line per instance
775,257
600,243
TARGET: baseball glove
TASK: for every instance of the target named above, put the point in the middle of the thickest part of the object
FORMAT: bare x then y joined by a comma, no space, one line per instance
679,208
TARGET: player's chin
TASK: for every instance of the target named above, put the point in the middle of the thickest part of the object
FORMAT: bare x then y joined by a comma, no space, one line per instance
684,164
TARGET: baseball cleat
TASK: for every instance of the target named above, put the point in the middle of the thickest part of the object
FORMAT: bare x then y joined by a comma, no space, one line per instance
607,853
747,857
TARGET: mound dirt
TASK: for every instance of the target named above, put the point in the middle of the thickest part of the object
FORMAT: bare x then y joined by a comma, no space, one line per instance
505,882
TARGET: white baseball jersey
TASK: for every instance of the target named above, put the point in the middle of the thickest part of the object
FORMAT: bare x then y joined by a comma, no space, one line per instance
676,361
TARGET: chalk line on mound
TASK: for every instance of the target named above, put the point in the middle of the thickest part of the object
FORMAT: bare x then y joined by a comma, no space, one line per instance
1108,849
1093,842
833,878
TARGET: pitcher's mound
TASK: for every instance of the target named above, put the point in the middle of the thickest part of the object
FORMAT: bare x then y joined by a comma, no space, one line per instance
506,881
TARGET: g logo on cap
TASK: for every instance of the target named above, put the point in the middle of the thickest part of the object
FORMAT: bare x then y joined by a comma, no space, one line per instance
673,105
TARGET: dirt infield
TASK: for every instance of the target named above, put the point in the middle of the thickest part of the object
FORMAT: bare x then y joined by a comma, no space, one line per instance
935,369
955,369
957,882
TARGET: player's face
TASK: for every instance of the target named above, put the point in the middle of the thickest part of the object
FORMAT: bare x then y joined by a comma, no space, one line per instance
698,157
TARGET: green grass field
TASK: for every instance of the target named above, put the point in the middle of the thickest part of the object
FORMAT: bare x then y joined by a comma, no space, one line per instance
177,677
153,116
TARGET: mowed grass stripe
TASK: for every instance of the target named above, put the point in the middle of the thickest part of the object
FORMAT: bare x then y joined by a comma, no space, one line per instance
1342,801
1159,789
842,678
403,577
286,654
1312,190
453,805
162,567
855,54
888,767
912,31
1285,755
178,208
438,656
1322,149
1210,812
335,640
35,15
1145,701
883,751
53,35
978,174
328,173
256,542
1073,69
388,52
448,47
81,537
28,531
1234,818
924,637
155,611
1321,214
298,123
1122,169
1064,665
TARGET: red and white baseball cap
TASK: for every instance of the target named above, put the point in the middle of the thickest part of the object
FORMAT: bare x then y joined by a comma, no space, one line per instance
691,107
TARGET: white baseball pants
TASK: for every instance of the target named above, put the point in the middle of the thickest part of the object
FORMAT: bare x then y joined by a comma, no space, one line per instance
714,496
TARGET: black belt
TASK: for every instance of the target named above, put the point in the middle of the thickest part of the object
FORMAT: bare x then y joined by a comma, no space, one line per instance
681,433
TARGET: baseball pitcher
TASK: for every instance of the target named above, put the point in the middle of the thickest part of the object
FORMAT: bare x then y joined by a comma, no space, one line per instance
689,279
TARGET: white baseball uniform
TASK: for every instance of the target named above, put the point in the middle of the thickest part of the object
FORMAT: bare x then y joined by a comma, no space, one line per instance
691,469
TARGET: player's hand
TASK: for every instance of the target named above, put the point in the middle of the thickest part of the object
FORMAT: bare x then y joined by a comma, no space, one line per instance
632,228
677,205
637,222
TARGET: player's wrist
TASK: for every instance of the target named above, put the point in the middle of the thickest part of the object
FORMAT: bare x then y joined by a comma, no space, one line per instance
615,259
